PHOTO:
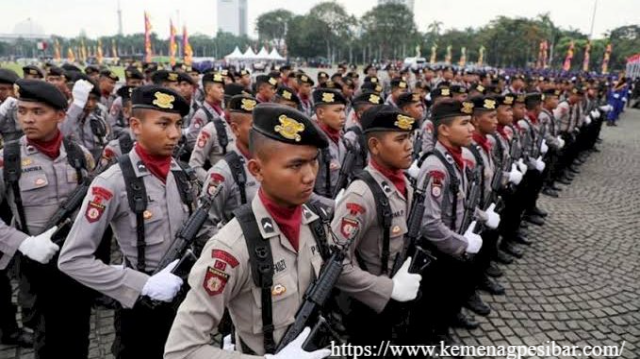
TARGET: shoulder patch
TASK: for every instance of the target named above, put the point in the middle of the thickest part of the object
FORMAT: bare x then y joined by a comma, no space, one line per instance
203,137
349,227
214,281
355,208
95,209
101,192
225,256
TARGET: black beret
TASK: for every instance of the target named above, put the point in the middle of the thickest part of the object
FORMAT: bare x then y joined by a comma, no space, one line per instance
387,118
506,100
242,103
32,70
159,98
324,96
179,66
70,67
303,78
233,89
533,98
110,74
148,67
161,76
578,90
8,76
133,72
56,71
275,74
371,86
265,79
185,77
366,68
91,69
287,94
353,75
327,85
125,92
552,92
369,97
457,89
285,67
285,124
450,108
479,88
484,103
227,73
399,83
440,92
493,90
323,75
373,79
407,98
40,91
348,81
244,72
520,98
213,77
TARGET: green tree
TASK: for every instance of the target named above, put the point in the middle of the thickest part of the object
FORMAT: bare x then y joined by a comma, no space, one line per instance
272,26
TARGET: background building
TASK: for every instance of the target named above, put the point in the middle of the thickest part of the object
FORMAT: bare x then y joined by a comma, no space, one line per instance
232,16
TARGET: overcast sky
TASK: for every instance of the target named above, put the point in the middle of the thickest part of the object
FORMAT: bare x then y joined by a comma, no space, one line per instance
99,17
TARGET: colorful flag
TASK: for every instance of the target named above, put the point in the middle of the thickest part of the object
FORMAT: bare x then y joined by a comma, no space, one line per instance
447,58
434,48
587,55
545,48
147,38
567,60
114,49
188,52
83,51
70,55
56,51
481,56
463,57
173,47
605,61
99,52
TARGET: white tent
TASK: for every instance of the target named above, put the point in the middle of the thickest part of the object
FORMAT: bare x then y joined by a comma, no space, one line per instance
274,55
235,55
249,54
263,54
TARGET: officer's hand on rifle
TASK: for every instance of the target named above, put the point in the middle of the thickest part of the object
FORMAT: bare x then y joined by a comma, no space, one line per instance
474,241
515,176
405,284
560,143
606,108
522,167
595,114
40,248
294,349
164,285
7,104
227,344
538,164
543,147
80,92
414,170
493,219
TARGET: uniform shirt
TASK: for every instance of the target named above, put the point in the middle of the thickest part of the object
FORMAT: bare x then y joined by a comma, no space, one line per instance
116,119
78,127
113,150
107,101
107,204
352,143
548,120
306,106
428,136
531,132
356,218
488,169
207,146
565,113
336,152
44,185
437,223
228,199
200,119
9,125
221,279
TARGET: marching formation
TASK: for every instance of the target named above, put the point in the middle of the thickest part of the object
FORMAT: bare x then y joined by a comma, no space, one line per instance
269,215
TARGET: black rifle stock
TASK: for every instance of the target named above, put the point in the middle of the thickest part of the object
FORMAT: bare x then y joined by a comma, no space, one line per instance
345,169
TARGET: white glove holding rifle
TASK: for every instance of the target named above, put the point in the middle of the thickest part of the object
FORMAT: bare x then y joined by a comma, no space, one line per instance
40,248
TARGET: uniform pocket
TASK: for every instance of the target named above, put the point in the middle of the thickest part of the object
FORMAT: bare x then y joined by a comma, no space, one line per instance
153,228
284,298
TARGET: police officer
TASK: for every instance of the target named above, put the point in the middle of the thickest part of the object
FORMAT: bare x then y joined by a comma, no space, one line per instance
166,78
398,87
305,86
123,143
354,138
144,229
265,88
107,83
32,72
9,126
284,148
552,139
57,77
231,172
133,78
39,171
373,214
286,96
209,134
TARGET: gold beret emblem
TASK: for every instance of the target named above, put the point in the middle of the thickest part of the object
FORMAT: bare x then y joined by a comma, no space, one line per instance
247,104
217,78
172,76
273,81
328,97
467,107
445,92
286,95
489,104
374,99
508,100
163,100
404,122
480,88
304,78
16,90
402,85
289,128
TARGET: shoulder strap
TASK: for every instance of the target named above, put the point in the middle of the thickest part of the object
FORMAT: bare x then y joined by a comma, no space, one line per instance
75,157
236,166
476,153
318,228
184,188
126,143
384,214
137,196
261,260
12,171
326,162
500,148
454,186
223,140
361,141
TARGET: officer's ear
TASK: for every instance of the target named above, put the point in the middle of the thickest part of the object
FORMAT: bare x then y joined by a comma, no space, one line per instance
255,168
60,116
374,143
135,124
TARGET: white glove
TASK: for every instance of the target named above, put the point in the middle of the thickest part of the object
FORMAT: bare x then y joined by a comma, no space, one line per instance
560,142
606,108
7,105
405,284
493,219
40,248
414,170
543,147
587,120
515,176
625,99
80,92
522,167
595,114
339,196
615,95
539,164
164,285
227,344
474,241
428,97
294,349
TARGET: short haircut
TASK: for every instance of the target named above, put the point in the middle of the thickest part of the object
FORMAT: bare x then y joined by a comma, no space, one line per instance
259,144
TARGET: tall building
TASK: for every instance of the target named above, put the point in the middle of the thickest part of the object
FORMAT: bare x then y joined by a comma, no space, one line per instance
232,16
407,3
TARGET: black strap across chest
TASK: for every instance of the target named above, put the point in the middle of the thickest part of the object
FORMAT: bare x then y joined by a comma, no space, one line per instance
221,131
236,165
454,186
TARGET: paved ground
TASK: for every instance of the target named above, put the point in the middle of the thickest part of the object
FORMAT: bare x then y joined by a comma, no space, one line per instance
578,284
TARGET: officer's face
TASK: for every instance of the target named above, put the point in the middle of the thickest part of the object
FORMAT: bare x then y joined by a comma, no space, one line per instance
505,115
157,132
267,91
518,111
241,125
287,173
287,103
347,91
134,82
305,89
393,149
215,91
186,90
92,103
39,121
6,90
459,132
57,81
106,84
486,122
415,110
332,116
460,97
551,102
175,86
245,80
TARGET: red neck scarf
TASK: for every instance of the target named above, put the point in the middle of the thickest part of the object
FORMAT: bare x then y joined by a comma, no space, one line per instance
260,98
302,97
246,154
216,107
288,219
532,116
502,132
157,165
334,135
483,141
395,176
456,153
50,148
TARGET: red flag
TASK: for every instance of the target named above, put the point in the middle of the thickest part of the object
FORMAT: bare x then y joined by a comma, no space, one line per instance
173,47
567,60
188,52
605,61
587,56
147,38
